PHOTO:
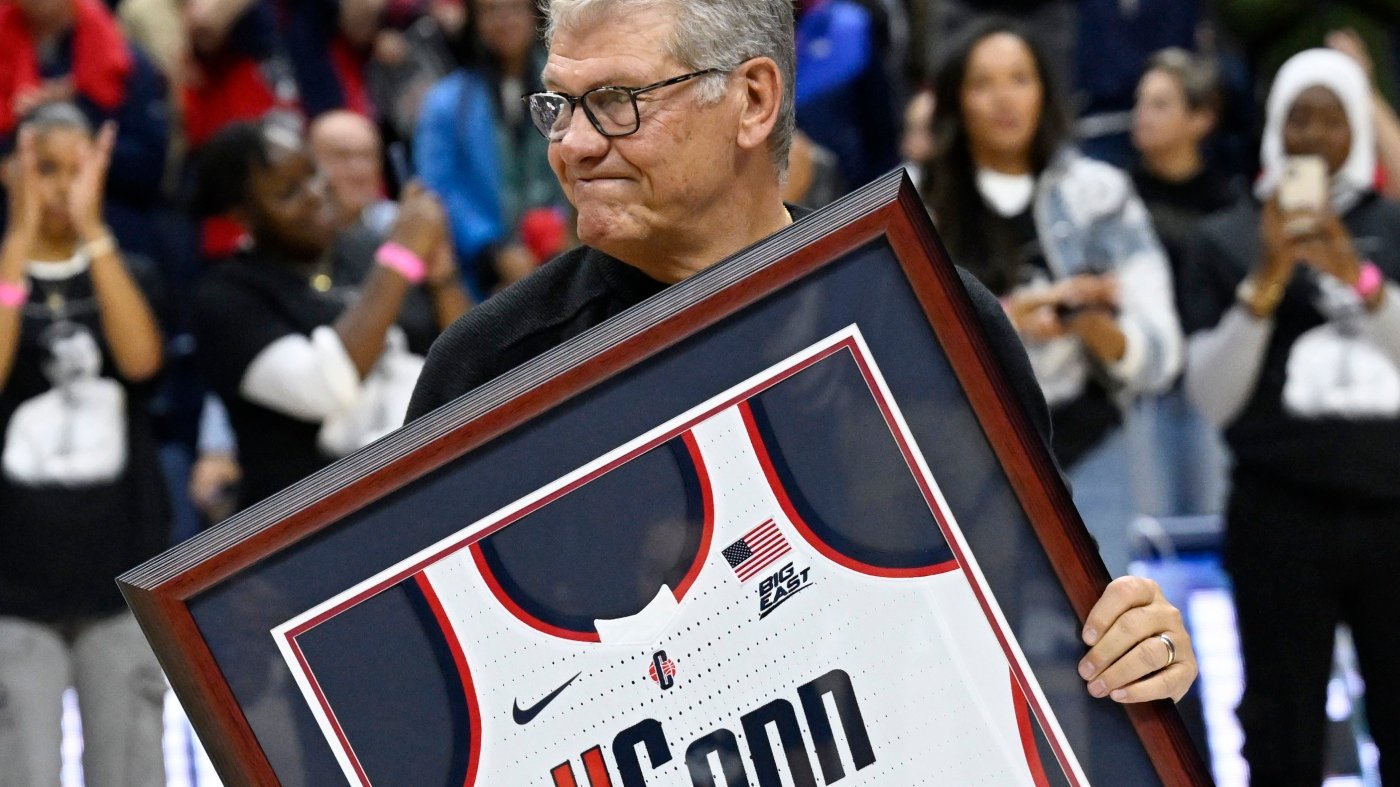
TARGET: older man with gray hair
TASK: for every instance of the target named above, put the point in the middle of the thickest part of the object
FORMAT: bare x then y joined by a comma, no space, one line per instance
669,124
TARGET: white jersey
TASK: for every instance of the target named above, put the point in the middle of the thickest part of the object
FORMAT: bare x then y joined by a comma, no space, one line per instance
777,660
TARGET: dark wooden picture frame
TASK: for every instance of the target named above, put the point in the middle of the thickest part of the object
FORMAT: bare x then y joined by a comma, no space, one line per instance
163,591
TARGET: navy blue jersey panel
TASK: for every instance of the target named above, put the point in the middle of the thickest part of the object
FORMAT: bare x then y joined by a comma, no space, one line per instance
385,668
842,469
565,570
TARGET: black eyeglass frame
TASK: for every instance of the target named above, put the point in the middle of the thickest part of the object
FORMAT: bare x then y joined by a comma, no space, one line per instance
632,93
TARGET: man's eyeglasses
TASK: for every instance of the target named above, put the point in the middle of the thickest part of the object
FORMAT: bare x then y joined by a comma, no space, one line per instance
611,109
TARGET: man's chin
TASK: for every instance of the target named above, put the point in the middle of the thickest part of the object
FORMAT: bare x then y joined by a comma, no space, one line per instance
604,229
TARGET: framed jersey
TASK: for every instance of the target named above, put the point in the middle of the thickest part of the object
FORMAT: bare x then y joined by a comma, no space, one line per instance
782,525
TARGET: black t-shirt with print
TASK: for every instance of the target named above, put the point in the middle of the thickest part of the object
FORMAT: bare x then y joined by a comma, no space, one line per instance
81,491
247,303
243,306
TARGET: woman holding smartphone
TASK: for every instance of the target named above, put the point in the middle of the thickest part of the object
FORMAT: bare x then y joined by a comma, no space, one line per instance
1295,353
1067,245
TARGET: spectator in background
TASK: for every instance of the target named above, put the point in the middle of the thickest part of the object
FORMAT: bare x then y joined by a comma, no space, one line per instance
1055,20
305,336
158,27
1295,354
215,476
1386,122
344,148
73,50
1067,245
1120,37
844,98
410,54
916,139
813,174
237,71
328,43
477,148
1179,463
81,490
347,150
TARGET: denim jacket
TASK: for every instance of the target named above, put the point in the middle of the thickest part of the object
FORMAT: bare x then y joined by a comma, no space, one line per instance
1090,220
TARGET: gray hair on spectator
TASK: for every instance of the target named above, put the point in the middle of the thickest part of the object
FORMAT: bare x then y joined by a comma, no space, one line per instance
56,115
1197,75
709,34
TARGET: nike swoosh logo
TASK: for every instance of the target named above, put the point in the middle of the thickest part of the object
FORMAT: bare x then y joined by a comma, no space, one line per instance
528,715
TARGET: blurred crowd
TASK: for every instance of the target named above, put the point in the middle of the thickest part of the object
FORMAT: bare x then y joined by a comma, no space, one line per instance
232,229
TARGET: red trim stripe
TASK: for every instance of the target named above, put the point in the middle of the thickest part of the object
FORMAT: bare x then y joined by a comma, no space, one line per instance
806,531
978,590
706,538
463,671
330,714
518,611
1023,724
707,533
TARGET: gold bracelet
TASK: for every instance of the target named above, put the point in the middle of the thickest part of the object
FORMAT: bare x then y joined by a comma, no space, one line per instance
100,247
1260,302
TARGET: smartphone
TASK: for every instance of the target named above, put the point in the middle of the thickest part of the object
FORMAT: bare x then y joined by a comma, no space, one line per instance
1302,190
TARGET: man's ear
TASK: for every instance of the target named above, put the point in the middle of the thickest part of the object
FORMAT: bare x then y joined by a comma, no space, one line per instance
762,85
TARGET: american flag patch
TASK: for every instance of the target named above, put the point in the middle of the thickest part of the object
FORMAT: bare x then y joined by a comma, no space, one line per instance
756,550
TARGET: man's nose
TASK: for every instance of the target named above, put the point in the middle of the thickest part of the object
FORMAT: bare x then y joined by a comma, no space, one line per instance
581,140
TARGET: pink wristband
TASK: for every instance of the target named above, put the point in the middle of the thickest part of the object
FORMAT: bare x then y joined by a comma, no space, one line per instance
398,258
1369,281
13,294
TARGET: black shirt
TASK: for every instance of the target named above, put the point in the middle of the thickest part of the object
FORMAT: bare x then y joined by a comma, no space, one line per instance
584,287
82,498
1178,207
251,301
